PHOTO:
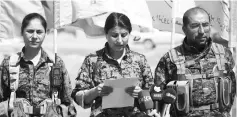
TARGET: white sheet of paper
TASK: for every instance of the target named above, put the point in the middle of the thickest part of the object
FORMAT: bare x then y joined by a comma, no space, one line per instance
119,98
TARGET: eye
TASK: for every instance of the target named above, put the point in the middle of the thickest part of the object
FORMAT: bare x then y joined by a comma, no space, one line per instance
30,31
205,24
115,35
195,25
39,31
124,35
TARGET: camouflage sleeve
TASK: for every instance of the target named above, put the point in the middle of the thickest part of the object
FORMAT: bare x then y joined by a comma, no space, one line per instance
146,74
67,87
5,82
84,80
230,66
161,72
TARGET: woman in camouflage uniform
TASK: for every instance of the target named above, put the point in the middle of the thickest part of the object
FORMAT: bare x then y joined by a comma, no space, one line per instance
114,61
35,66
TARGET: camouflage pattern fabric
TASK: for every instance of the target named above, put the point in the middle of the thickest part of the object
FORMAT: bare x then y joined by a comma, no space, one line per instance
34,81
100,66
166,71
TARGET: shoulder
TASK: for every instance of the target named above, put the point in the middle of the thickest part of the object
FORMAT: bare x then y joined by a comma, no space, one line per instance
6,58
136,55
175,52
220,48
59,60
92,57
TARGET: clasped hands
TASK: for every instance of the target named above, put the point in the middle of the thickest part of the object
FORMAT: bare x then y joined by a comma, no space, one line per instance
106,90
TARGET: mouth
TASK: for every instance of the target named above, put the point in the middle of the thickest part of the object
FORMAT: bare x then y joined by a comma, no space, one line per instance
202,38
34,43
119,46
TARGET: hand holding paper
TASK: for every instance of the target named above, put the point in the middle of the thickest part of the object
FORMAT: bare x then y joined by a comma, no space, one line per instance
119,98
103,90
133,91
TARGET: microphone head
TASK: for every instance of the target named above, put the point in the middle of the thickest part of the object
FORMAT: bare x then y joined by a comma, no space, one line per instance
169,96
145,101
156,93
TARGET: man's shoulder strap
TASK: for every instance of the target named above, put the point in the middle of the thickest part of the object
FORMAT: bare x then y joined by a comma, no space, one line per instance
218,48
219,52
178,59
175,54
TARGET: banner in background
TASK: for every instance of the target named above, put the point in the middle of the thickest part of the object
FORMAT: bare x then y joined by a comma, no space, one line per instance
78,12
161,11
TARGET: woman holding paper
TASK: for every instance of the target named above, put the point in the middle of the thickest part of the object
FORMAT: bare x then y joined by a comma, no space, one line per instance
114,61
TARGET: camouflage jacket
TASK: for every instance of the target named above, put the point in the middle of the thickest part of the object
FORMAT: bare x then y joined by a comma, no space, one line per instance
166,71
34,82
99,66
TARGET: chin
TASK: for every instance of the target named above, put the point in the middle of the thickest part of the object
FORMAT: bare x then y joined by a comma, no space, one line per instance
34,46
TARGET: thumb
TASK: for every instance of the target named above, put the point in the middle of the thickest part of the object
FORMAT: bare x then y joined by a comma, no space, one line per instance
154,113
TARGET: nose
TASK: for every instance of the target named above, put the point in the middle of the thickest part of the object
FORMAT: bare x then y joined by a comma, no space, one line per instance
201,29
34,34
120,39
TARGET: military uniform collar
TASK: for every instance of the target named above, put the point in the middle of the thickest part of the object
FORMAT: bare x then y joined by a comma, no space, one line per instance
43,57
191,49
106,51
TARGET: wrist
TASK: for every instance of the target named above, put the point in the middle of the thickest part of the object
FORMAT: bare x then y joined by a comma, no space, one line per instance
93,92
90,95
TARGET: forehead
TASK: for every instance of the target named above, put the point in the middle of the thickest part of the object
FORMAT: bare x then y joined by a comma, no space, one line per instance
35,23
198,17
118,29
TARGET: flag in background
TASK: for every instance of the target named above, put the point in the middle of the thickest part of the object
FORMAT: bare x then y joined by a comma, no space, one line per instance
12,13
136,10
85,14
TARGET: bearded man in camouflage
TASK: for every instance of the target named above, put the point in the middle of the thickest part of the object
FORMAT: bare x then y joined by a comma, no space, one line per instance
200,71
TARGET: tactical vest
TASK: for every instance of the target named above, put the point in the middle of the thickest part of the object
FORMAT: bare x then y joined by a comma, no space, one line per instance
210,90
21,107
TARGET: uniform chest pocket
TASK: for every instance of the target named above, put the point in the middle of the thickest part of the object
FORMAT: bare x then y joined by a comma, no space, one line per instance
43,84
108,72
132,70
204,91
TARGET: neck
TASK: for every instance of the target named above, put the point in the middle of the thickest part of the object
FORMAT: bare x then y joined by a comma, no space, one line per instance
116,54
30,53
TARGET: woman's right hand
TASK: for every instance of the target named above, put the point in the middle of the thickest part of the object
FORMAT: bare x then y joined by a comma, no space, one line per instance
103,90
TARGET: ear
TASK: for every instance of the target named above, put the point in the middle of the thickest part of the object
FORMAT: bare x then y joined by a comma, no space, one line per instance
184,29
106,37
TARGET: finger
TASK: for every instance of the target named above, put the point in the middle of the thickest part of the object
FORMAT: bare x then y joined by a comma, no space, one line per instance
107,88
130,93
130,89
135,95
105,93
137,89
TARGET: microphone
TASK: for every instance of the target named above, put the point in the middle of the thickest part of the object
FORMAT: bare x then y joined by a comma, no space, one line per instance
145,101
156,95
169,97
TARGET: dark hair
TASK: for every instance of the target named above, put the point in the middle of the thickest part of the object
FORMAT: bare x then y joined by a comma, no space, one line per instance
192,11
30,17
117,19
